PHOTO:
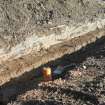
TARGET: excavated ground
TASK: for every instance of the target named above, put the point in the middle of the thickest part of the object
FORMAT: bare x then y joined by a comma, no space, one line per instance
34,32
25,21
87,89
16,67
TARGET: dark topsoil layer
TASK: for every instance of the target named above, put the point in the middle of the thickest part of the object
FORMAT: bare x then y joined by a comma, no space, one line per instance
87,89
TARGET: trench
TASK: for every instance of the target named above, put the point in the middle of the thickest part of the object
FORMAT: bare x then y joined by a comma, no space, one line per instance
16,86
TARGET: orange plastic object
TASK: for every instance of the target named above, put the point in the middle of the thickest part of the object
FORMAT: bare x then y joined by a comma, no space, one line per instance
47,74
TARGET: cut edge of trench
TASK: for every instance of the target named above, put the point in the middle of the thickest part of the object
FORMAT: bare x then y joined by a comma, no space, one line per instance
21,66
68,48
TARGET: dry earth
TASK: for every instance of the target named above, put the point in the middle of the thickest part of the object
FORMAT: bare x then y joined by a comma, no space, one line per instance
35,32
27,27
86,89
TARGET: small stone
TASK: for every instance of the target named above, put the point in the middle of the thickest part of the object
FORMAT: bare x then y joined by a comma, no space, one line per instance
84,67
101,85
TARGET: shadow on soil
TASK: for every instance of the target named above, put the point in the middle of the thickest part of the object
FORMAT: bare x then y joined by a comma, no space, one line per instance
20,86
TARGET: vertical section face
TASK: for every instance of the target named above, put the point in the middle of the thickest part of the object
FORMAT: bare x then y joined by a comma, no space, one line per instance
22,18
28,26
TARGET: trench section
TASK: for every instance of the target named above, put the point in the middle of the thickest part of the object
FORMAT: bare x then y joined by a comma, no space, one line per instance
28,81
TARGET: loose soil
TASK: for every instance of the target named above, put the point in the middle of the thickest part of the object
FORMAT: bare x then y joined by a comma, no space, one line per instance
85,89
22,18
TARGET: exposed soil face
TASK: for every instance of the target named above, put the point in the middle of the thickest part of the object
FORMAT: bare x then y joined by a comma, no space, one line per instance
30,27
34,32
16,67
20,18
85,89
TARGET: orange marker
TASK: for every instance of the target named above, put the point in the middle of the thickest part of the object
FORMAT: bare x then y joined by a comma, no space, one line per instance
47,74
